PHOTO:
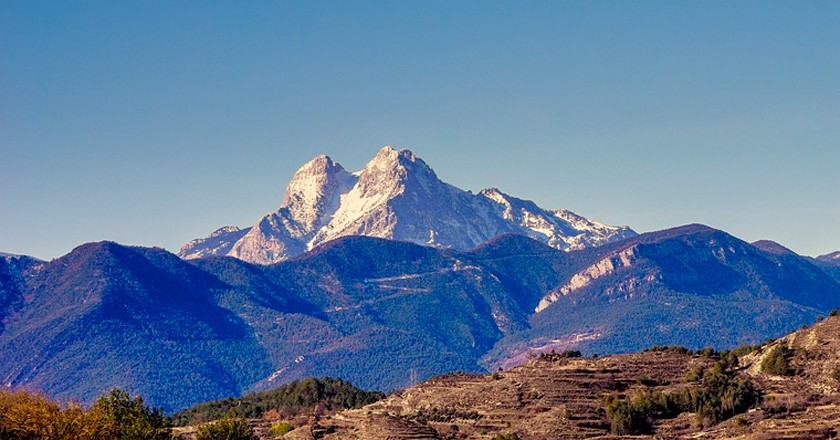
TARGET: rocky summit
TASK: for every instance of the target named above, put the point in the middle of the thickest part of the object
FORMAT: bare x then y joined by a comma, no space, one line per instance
396,196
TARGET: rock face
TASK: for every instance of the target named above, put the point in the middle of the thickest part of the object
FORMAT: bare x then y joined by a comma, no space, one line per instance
396,196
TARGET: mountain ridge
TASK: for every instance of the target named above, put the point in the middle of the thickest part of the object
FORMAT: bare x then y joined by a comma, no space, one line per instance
379,312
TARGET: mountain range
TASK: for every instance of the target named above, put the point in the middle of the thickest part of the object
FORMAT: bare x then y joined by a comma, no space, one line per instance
383,313
395,196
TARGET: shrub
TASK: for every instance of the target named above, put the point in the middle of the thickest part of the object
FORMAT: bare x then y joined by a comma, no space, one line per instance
280,428
508,436
776,362
695,374
227,428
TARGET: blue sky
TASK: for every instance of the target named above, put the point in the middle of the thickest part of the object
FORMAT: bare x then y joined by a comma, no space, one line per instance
153,123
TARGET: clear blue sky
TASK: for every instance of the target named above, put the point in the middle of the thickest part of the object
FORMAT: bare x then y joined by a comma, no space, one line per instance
155,122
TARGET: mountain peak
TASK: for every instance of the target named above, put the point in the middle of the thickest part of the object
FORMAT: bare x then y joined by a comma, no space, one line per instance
395,196
391,171
389,158
772,247
310,179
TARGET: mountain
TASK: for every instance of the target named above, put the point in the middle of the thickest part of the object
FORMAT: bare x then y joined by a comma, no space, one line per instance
560,396
830,264
691,285
382,313
12,270
109,316
832,258
396,196
376,311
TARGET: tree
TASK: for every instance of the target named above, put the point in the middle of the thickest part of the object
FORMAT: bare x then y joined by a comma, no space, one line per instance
776,362
130,419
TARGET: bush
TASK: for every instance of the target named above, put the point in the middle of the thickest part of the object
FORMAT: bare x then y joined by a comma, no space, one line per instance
508,436
280,428
776,362
227,428
695,374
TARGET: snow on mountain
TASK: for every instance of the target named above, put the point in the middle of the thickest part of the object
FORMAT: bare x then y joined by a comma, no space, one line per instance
396,196
219,242
560,228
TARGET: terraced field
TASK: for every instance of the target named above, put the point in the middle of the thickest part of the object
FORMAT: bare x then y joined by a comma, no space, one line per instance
552,397
557,397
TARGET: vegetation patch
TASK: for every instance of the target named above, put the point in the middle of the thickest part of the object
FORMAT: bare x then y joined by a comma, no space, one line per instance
565,354
776,362
114,416
718,395
227,428
279,429
288,400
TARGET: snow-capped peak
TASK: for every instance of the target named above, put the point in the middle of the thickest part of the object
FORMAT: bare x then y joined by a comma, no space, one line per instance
313,193
397,196
558,228
391,168
224,230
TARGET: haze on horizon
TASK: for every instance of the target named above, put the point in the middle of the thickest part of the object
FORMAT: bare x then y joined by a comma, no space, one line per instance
153,124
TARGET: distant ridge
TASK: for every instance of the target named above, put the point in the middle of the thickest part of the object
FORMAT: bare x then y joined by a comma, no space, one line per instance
395,196
833,257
